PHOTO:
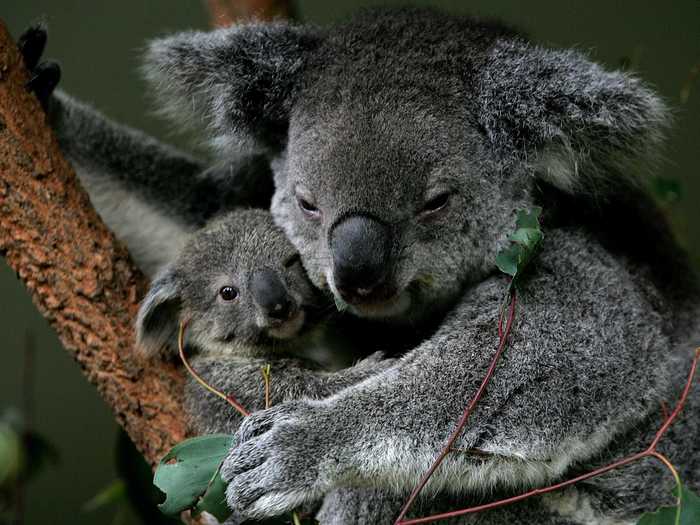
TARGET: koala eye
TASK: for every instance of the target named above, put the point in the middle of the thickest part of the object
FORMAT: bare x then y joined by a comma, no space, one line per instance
309,209
228,293
436,204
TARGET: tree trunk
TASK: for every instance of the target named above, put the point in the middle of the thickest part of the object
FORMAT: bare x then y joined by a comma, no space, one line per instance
80,277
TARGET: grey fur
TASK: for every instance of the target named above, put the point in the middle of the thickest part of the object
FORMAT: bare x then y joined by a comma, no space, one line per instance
396,106
375,116
150,194
239,78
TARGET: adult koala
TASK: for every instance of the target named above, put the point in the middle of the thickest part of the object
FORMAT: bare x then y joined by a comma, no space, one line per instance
403,143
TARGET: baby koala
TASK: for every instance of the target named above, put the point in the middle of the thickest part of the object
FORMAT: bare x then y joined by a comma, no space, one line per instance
240,286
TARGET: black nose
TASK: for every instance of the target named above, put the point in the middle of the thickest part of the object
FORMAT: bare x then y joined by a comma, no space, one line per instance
271,294
360,247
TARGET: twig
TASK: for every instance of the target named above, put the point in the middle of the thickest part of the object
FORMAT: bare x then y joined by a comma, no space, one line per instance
649,452
226,397
266,379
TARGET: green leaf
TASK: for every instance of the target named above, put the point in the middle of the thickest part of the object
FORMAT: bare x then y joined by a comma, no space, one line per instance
689,511
525,240
184,474
529,219
12,455
214,499
115,492
507,260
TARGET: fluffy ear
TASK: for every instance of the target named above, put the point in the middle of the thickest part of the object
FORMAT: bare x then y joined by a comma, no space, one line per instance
581,127
159,315
239,81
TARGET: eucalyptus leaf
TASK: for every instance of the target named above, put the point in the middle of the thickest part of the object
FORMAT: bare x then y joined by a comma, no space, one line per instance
507,260
689,511
529,218
185,473
525,241
214,499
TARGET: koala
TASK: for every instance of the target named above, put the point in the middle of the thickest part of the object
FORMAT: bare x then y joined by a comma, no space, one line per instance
401,145
240,286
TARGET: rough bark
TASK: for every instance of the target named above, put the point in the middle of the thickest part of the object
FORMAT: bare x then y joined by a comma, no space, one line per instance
223,13
80,277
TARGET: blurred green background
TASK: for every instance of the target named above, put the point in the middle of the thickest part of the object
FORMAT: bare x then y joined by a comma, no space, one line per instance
97,44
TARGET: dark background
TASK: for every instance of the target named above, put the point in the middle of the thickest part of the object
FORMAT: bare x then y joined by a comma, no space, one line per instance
97,44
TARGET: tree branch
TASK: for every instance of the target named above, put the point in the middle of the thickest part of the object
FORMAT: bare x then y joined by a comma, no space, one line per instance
224,13
80,277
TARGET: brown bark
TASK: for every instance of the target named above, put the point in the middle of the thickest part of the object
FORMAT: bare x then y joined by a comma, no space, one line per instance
224,13
80,277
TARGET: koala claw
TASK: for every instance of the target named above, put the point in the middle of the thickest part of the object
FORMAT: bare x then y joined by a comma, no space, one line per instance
44,80
31,44
44,75
275,467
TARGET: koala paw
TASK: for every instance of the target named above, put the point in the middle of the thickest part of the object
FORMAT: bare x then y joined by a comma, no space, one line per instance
44,75
276,465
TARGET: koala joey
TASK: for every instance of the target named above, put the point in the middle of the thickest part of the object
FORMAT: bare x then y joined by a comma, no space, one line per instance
401,144
240,286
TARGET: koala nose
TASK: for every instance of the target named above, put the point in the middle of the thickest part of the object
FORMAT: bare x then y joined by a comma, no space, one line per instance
360,248
271,295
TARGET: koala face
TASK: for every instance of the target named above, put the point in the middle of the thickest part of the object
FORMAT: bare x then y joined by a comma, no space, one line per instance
238,283
386,213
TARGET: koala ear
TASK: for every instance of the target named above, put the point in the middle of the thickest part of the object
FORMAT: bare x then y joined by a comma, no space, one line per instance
158,317
240,81
580,127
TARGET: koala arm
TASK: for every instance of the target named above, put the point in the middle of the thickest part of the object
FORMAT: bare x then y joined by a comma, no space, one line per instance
131,179
149,193
587,358
291,379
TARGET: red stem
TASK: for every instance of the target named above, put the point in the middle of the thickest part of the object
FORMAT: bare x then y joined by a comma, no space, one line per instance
649,452
465,415
226,397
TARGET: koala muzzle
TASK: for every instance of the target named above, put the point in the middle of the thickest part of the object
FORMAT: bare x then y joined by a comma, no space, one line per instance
271,295
361,252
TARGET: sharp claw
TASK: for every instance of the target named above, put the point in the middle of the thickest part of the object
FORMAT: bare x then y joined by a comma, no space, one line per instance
32,44
44,80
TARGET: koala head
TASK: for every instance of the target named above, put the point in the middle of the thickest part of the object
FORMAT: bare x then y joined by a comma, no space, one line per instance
403,142
238,283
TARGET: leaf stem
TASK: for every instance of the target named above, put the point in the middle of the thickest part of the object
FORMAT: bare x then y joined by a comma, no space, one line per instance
266,373
679,484
226,397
